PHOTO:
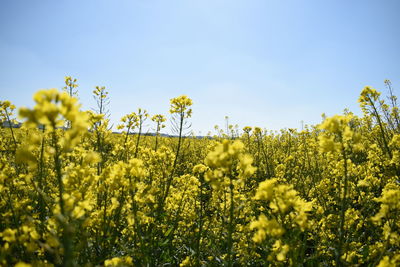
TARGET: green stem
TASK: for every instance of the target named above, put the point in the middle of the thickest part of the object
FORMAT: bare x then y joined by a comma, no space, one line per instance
175,161
67,232
230,225
343,209
376,114
11,129
138,140
157,133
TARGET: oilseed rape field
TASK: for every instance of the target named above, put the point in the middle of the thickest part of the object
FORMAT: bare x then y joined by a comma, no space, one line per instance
73,193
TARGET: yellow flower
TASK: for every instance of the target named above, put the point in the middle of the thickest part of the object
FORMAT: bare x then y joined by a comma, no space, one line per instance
266,227
181,106
265,190
387,262
186,262
119,262
280,250
8,235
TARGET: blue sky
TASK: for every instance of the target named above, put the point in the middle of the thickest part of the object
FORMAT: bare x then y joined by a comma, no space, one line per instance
267,63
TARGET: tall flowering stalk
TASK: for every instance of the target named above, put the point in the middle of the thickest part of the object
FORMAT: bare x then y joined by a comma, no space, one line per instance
159,120
6,113
142,116
229,167
181,111
129,122
100,121
51,108
339,137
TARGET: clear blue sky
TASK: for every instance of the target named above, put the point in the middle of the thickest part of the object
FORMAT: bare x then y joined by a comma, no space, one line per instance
267,63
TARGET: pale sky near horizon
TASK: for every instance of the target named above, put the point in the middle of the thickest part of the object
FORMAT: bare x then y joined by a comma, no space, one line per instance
266,63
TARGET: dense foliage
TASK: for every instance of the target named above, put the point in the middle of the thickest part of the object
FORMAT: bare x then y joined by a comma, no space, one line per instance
75,194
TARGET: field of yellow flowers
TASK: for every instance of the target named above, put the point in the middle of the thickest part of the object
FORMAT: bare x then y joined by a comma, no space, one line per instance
75,194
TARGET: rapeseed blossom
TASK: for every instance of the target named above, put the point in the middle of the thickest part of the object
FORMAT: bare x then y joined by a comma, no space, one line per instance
75,193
